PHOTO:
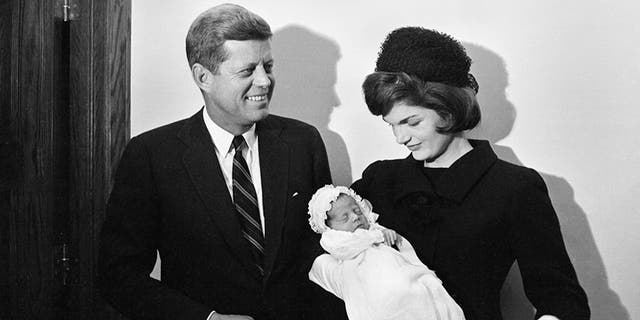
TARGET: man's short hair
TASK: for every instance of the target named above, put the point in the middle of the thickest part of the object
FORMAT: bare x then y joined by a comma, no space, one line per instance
212,28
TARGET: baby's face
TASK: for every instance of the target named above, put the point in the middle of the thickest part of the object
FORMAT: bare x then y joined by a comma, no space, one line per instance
345,215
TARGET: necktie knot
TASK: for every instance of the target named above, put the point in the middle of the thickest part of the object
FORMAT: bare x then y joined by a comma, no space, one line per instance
237,142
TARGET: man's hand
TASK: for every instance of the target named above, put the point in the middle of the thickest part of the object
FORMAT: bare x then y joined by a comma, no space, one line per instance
390,237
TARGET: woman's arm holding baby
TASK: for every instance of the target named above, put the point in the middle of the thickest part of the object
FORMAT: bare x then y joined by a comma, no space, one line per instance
325,273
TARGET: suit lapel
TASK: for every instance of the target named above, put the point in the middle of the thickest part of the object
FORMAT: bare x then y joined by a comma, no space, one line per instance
274,164
204,170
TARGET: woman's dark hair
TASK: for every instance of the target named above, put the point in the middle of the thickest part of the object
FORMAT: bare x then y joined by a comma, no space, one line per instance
457,106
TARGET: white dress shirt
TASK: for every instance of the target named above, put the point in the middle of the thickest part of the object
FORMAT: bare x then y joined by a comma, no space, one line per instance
225,152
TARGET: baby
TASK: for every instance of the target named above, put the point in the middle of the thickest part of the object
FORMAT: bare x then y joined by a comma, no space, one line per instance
375,280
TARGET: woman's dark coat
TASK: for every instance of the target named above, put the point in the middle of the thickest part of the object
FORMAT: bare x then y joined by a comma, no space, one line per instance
485,214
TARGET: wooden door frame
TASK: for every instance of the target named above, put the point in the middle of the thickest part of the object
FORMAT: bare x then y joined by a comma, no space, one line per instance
98,129
100,108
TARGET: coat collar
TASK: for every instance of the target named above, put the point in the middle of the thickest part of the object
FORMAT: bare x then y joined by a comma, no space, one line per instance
455,183
204,170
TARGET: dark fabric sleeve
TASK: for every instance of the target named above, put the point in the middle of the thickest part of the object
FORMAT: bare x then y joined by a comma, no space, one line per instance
322,173
549,278
321,177
362,185
128,245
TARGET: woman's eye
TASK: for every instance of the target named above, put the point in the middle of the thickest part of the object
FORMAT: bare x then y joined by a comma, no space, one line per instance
413,123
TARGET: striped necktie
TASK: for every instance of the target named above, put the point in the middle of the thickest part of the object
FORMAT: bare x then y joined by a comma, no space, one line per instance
246,203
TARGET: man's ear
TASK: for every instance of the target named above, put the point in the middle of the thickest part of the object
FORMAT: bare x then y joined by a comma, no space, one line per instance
201,76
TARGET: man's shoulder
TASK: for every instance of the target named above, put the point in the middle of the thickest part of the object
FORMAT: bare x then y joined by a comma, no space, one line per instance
279,122
162,133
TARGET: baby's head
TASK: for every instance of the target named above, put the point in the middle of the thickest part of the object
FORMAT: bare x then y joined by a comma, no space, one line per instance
345,215
339,208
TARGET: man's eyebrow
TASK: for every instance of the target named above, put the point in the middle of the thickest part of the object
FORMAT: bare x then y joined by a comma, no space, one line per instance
246,65
252,64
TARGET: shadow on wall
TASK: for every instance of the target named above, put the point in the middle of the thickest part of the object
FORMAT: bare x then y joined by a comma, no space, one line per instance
305,72
498,117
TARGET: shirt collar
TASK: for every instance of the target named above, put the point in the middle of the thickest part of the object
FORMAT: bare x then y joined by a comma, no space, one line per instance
222,138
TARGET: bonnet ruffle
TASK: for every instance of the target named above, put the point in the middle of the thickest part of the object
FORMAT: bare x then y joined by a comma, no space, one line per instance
321,201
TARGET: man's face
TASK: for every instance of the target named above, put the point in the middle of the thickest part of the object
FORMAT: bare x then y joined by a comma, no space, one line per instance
242,88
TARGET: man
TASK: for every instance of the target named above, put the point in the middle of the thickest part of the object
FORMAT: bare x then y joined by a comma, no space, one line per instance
222,195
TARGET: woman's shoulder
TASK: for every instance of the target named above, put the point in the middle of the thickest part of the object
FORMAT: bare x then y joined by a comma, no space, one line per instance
380,171
515,174
382,166
383,175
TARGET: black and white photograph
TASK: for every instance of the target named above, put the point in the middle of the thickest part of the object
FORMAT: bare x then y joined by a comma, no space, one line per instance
377,160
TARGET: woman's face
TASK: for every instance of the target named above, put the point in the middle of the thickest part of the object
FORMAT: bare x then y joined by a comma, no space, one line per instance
415,127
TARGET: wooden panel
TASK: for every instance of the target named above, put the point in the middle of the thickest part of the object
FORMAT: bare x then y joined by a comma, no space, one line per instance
59,149
8,164
100,73
37,148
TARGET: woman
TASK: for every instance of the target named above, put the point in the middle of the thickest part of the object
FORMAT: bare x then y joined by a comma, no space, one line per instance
468,214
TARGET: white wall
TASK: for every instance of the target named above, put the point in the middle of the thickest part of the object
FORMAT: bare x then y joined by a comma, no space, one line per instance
558,85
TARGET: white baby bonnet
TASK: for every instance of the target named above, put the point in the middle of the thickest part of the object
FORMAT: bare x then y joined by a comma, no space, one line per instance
321,201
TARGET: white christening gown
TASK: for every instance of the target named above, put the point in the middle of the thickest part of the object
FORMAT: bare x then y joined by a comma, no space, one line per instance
378,282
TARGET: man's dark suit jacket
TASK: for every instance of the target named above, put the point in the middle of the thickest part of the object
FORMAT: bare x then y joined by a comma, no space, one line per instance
170,195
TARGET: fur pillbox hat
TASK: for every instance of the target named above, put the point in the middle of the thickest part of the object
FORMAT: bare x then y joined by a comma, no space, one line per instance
427,54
